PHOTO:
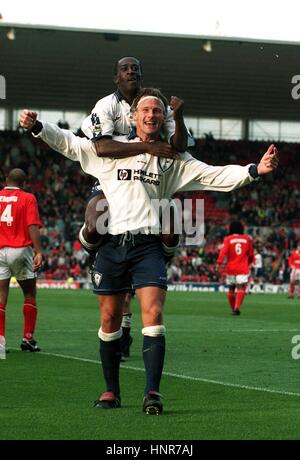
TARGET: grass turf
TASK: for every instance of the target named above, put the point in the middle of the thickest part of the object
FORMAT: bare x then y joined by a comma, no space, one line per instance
225,377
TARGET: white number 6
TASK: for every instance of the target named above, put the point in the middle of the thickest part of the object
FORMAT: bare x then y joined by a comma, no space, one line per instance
238,249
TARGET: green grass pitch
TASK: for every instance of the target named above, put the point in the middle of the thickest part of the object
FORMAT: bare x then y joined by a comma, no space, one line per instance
225,377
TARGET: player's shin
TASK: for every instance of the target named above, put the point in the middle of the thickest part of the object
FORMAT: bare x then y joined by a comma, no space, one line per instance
291,290
126,337
110,354
2,319
30,316
240,295
231,298
153,355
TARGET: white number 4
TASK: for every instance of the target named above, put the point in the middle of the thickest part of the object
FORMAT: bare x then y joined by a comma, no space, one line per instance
6,215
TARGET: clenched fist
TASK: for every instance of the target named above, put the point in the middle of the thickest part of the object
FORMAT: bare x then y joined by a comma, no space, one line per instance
176,105
27,119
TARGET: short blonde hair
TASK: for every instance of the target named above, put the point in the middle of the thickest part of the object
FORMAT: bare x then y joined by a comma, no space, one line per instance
149,92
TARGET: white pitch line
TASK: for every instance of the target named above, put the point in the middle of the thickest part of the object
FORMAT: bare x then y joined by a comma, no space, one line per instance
178,376
196,331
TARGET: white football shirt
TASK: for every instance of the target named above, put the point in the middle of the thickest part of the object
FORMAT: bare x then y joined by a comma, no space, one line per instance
131,184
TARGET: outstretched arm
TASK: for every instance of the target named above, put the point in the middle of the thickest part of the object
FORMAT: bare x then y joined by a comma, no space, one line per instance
191,174
107,147
63,141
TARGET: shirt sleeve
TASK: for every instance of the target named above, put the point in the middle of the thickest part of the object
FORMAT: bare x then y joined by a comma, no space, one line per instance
73,147
190,174
100,123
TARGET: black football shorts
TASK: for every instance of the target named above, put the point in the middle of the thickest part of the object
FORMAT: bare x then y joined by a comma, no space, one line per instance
127,262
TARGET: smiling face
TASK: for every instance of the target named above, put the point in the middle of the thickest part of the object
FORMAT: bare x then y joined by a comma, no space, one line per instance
128,76
149,117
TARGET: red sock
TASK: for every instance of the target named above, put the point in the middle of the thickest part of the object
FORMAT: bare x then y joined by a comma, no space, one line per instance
292,290
231,299
240,294
2,319
30,314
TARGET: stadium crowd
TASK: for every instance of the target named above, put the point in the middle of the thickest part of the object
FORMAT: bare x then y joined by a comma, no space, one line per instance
269,210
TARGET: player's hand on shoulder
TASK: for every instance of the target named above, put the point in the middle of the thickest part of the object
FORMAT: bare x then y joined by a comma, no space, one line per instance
27,119
162,149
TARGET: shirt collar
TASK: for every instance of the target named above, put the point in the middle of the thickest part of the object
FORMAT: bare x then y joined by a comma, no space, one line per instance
119,96
132,134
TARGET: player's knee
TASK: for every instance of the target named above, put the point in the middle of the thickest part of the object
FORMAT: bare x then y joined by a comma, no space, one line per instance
241,286
154,331
127,301
28,288
111,321
109,336
153,314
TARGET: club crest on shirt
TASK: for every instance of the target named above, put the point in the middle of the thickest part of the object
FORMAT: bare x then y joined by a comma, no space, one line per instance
165,163
97,278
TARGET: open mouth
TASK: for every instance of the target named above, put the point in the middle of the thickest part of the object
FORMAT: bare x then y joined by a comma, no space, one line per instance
151,124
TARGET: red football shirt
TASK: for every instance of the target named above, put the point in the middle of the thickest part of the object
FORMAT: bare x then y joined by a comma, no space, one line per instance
238,250
294,260
18,210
